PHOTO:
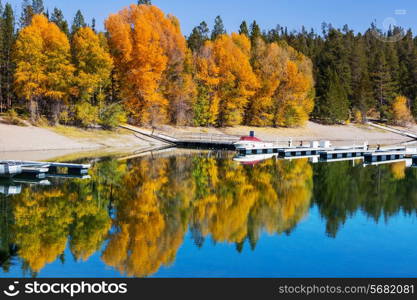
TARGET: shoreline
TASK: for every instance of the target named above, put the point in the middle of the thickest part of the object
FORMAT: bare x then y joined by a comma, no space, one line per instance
337,134
39,143
36,143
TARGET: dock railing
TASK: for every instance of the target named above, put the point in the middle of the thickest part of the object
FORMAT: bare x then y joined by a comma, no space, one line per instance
207,137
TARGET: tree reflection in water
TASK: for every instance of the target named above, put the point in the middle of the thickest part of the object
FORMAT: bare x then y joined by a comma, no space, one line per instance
138,212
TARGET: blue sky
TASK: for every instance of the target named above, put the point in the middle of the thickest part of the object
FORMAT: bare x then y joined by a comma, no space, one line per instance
268,13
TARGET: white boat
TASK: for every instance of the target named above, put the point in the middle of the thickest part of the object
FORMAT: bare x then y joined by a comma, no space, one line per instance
252,142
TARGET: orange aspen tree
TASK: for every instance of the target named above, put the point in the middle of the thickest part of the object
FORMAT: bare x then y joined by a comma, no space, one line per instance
140,60
149,51
224,67
43,68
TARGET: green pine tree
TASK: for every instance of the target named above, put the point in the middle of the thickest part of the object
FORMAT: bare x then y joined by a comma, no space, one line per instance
8,34
201,107
38,7
78,22
333,58
58,18
362,97
243,29
383,85
199,35
218,28
27,14
93,24
334,103
255,32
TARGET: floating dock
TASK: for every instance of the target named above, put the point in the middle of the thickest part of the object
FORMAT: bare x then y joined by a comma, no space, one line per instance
340,155
352,153
407,161
14,186
40,170
299,152
383,156
284,152
208,145
9,190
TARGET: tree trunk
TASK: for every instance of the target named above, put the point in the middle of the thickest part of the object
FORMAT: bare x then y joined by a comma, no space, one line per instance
33,107
56,108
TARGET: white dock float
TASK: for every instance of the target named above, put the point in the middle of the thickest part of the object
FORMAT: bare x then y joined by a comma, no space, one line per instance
407,161
11,168
342,154
7,170
383,156
46,164
9,190
301,152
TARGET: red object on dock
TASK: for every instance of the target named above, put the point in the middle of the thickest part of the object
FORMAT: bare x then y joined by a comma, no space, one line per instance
250,139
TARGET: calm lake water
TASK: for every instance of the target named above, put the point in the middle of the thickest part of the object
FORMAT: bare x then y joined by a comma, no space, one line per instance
205,215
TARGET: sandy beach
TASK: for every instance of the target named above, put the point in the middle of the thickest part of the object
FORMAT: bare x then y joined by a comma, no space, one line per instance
34,143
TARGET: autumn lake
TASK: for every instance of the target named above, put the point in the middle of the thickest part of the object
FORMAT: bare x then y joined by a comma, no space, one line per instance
202,214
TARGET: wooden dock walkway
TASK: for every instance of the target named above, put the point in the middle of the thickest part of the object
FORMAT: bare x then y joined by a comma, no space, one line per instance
189,141
150,134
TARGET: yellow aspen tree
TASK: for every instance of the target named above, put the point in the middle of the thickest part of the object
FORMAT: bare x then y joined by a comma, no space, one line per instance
237,80
400,111
224,68
93,63
294,96
207,78
398,170
43,67
268,61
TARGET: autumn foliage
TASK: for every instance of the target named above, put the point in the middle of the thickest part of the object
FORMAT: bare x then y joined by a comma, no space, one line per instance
143,66
43,66
148,48
92,61
63,80
224,83
401,113
285,97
